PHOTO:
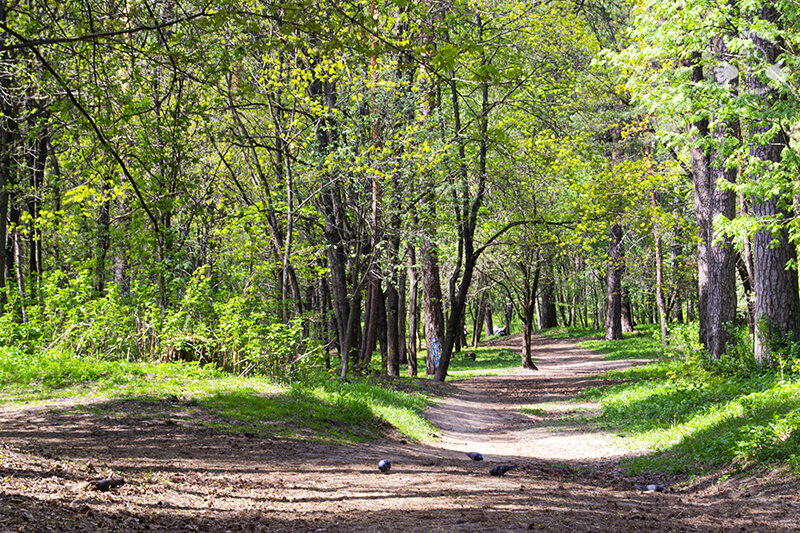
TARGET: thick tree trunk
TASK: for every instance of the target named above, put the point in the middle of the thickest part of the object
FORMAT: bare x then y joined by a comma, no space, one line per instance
433,315
716,274
777,304
616,262
487,318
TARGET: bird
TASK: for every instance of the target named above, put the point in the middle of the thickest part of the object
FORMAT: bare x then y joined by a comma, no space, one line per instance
475,456
500,470
105,484
384,465
650,488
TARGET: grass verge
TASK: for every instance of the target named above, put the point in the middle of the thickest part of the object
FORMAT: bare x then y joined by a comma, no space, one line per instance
318,407
695,420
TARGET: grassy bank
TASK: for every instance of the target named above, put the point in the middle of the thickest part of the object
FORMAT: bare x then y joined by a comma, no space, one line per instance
315,407
695,418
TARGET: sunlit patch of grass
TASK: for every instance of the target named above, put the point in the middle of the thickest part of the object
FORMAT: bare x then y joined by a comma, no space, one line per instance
563,332
489,361
696,420
535,411
318,407
638,345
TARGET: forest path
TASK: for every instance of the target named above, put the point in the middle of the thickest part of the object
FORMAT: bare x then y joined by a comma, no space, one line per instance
484,413
181,476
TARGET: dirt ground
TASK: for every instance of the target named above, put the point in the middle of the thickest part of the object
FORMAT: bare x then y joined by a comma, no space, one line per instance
183,477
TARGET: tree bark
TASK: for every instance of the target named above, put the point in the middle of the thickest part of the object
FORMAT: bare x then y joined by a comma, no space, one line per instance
777,304
614,284
716,275
413,312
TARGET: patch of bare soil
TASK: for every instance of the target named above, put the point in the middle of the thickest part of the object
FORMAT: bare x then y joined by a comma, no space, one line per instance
181,477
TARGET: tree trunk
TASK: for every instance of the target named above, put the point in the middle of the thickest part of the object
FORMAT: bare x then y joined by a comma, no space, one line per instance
477,323
716,275
402,309
413,310
628,324
103,243
487,318
660,300
433,315
676,311
529,306
614,285
777,304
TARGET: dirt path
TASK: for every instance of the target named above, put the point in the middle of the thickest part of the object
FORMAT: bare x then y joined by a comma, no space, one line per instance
183,478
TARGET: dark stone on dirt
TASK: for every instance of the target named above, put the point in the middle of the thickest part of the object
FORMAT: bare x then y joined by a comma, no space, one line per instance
105,484
500,470
475,456
384,465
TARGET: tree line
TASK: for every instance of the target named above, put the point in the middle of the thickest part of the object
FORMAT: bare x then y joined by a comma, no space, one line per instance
271,187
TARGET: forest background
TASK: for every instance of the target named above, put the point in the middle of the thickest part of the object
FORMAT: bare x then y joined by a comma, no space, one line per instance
298,188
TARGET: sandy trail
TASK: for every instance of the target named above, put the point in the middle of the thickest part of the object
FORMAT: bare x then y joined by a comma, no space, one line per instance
484,413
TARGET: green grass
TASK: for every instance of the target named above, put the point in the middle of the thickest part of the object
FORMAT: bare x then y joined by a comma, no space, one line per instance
319,408
696,420
637,345
563,332
488,361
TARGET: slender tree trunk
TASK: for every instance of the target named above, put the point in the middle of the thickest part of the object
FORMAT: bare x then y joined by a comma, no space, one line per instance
528,306
103,242
23,297
660,300
402,310
677,306
413,310
8,140
614,285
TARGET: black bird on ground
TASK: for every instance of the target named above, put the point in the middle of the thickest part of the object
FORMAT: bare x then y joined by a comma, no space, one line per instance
475,456
384,465
500,470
